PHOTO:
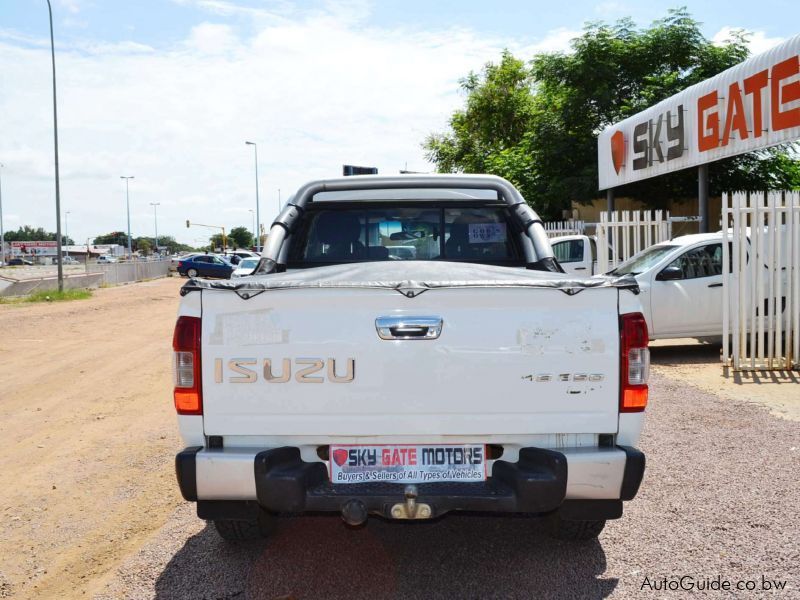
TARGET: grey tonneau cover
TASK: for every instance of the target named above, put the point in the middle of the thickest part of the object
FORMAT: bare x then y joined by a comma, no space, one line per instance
410,278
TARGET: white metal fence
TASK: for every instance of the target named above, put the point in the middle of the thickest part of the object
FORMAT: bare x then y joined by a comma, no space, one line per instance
621,234
761,280
559,228
124,272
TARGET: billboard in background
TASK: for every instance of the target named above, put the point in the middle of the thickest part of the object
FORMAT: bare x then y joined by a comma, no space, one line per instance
43,248
751,106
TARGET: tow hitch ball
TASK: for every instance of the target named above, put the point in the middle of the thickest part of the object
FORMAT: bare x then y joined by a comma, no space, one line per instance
411,509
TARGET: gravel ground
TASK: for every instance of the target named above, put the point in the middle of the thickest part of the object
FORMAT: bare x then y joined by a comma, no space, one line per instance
720,498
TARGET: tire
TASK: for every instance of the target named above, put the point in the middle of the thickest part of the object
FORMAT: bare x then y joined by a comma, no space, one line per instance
192,272
239,531
575,531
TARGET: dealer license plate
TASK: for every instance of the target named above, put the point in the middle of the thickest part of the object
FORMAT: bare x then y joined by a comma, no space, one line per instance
408,463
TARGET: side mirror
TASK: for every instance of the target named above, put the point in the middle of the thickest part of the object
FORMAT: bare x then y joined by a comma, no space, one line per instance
670,274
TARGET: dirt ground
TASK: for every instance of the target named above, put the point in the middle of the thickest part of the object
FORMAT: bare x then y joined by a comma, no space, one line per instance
699,364
90,434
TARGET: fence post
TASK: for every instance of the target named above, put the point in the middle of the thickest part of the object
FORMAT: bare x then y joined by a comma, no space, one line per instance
726,284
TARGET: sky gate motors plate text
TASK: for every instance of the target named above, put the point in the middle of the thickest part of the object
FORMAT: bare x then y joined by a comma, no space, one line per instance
407,463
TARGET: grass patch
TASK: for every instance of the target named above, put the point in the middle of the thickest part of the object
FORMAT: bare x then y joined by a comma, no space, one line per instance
56,296
50,296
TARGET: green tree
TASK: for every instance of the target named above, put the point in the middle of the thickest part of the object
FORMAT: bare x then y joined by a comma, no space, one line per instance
26,233
240,237
115,237
144,246
215,241
536,124
172,245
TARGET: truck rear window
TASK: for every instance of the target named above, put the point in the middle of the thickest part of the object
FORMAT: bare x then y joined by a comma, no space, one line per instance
471,234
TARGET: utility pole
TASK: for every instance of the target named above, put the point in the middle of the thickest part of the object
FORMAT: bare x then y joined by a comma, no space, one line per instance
258,214
66,228
253,215
55,146
2,231
128,204
155,206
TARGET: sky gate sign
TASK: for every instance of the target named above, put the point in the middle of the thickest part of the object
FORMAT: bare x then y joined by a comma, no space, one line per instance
751,106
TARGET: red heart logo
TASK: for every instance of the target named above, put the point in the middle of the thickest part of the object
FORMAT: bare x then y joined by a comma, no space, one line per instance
618,150
340,456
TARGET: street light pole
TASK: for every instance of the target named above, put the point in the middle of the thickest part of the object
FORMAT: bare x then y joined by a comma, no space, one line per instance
55,146
258,214
128,204
253,215
2,231
155,206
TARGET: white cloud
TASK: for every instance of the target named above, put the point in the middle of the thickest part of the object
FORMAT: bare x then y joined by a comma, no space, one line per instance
610,8
315,91
72,6
758,41
212,38
557,40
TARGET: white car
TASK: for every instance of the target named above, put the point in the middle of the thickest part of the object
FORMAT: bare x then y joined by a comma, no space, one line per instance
681,285
105,259
246,267
577,254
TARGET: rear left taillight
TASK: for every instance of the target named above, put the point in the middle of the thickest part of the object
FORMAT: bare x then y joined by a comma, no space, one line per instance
634,362
180,264
186,366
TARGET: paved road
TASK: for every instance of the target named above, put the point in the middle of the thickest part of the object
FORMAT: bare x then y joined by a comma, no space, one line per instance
720,499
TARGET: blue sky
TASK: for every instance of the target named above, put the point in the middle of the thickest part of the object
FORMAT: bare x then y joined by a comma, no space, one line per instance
169,90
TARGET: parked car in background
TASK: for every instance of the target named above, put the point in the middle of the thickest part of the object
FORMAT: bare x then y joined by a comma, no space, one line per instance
105,259
173,265
577,253
19,262
246,267
238,255
681,286
205,265
68,260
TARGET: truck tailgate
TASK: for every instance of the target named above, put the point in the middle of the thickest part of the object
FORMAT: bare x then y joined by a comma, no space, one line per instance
508,361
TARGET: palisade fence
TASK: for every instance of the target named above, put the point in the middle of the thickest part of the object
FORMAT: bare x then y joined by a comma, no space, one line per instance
559,228
761,280
125,272
621,234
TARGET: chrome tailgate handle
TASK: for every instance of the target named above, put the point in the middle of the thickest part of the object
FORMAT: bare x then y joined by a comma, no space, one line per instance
408,328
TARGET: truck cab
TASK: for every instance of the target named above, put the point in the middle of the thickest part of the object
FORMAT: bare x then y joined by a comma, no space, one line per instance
577,254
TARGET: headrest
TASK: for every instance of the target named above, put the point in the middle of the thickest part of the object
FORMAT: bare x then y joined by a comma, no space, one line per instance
335,227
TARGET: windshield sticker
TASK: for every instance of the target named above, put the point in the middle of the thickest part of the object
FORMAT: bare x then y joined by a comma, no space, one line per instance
487,233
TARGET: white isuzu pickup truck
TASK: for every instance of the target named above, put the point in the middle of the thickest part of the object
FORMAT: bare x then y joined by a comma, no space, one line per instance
408,346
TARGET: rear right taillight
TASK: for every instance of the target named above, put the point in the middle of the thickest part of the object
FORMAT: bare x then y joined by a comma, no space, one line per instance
180,264
634,363
186,366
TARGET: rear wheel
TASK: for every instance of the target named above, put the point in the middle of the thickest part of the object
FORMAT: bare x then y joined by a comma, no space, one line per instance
237,530
575,531
192,272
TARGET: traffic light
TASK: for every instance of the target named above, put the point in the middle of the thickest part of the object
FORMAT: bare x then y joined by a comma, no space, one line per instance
187,223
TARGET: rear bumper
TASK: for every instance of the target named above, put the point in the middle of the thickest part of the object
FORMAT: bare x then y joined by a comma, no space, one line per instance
587,483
